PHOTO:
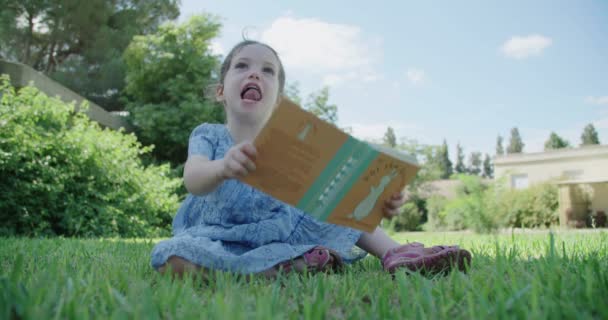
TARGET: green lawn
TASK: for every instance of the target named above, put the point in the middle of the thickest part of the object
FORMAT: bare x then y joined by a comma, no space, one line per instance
513,275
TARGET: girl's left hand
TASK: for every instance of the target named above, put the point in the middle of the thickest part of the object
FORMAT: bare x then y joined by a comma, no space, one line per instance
392,205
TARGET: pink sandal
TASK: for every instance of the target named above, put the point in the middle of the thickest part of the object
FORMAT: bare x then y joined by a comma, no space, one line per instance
317,259
415,257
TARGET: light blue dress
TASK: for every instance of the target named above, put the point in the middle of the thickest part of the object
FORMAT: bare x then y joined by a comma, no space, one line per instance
238,228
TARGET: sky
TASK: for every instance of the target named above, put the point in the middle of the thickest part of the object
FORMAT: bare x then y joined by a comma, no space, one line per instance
463,71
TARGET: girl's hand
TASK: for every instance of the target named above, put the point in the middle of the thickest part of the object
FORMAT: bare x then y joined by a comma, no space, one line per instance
238,161
392,205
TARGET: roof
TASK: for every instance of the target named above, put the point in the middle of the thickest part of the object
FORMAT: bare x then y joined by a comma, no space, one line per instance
584,181
553,155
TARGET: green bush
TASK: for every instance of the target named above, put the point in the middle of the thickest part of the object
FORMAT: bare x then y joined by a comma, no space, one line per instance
533,207
473,208
408,218
436,218
485,208
64,175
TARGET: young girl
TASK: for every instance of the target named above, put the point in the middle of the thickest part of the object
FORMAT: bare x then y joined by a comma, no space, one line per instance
227,225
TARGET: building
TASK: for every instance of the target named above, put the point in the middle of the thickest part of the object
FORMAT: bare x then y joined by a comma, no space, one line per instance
581,174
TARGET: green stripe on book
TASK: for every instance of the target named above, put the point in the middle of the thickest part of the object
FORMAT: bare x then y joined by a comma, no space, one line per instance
363,154
309,200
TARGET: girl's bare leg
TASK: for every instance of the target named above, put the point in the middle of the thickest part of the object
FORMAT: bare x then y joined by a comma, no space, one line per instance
376,243
179,266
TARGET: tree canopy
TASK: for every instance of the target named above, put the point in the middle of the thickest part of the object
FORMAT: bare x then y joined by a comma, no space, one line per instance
556,142
167,73
516,145
79,43
589,136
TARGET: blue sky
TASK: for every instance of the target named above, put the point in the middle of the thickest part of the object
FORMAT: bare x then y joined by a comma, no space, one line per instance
463,71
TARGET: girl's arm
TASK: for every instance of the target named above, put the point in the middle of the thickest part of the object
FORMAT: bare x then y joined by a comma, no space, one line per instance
202,175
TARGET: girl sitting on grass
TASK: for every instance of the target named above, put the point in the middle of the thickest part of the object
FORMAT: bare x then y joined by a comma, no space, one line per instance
224,224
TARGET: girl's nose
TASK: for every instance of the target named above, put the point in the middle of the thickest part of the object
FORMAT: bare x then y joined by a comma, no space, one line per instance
254,75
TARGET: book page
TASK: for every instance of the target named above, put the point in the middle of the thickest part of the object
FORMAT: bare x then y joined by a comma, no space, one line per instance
312,165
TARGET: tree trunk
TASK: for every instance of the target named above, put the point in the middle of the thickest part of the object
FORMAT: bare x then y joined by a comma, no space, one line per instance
51,64
28,42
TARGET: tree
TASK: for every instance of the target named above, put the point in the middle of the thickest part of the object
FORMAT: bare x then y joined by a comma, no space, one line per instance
556,142
292,91
516,145
79,43
444,161
459,167
499,149
166,74
389,137
589,136
475,163
430,170
488,168
318,104
426,156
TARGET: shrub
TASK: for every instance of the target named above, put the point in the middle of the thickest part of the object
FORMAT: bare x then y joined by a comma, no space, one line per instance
64,175
473,208
533,207
408,218
484,208
435,212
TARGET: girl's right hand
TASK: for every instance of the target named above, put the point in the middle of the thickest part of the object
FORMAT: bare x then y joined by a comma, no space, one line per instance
238,161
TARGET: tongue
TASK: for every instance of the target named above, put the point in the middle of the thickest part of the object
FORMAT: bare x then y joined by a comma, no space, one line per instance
252,94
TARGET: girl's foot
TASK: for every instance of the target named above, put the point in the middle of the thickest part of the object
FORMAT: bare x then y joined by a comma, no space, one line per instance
318,259
416,257
179,267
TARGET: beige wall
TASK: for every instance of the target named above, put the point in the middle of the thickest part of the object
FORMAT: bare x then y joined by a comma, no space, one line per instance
600,197
581,173
581,200
579,164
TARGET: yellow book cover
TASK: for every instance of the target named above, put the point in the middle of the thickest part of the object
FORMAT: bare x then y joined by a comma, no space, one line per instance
314,166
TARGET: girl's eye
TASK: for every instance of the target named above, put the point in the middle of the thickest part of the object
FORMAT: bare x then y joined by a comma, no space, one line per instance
269,70
240,65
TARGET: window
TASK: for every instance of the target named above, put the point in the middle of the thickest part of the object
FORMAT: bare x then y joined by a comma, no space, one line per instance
519,181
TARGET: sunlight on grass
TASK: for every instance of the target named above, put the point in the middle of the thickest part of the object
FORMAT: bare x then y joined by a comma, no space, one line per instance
519,274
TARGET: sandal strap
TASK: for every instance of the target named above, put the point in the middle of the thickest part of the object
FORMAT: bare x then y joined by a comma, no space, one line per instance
416,257
321,257
318,259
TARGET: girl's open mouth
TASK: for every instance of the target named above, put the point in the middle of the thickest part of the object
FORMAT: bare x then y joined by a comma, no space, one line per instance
251,91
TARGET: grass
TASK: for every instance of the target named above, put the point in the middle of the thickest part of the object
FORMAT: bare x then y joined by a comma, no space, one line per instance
513,275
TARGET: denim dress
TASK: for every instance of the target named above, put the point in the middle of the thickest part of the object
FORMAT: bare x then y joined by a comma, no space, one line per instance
240,229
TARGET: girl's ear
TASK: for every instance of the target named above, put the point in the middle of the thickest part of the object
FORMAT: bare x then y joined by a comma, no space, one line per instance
219,93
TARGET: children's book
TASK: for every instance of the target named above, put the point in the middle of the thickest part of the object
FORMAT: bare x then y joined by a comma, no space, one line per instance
313,165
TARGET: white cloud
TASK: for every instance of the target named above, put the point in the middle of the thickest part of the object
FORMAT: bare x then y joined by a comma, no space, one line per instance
521,47
601,124
416,76
217,48
336,52
597,100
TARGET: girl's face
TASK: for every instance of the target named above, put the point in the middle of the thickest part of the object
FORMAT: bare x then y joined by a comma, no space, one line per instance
251,85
